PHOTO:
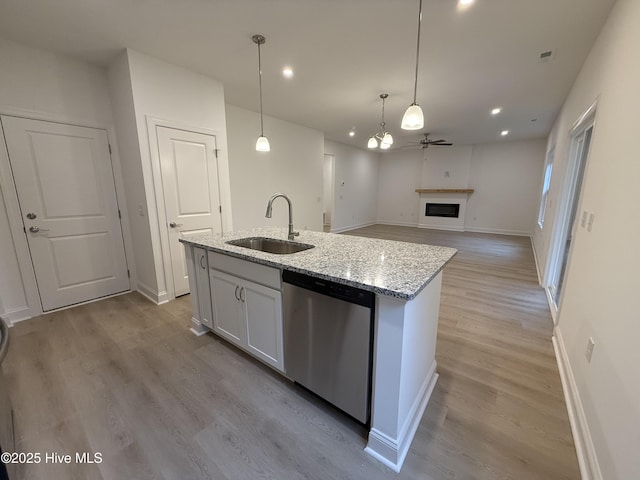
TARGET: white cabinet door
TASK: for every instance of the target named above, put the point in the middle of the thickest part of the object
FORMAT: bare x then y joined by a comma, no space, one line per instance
64,181
263,319
202,286
227,307
248,315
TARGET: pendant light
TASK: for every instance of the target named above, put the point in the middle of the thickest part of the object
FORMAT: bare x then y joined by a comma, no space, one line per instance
262,144
413,118
386,139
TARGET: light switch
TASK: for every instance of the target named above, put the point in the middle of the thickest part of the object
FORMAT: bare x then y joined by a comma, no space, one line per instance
590,223
583,221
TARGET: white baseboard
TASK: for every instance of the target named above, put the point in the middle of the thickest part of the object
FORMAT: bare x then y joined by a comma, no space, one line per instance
352,227
449,229
397,224
392,452
585,450
151,294
535,259
17,315
499,231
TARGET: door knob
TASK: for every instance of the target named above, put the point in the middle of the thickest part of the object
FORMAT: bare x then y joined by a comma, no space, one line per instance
36,229
174,224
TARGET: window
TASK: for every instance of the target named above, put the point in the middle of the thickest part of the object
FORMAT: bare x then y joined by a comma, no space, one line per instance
548,168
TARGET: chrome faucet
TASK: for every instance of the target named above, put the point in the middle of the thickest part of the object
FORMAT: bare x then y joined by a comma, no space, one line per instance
269,208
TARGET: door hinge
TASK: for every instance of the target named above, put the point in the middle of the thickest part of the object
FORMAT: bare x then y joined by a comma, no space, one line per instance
220,208
119,214
215,150
109,148
128,274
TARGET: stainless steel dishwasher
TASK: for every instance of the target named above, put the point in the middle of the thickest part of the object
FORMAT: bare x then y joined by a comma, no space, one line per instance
328,339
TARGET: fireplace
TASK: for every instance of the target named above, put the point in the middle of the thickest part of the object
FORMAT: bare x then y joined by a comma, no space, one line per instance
450,210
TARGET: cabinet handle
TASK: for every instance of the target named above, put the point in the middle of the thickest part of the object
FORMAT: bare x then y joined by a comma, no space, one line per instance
242,294
236,293
202,263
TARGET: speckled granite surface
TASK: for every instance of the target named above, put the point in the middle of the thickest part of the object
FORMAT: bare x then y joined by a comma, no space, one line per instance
397,269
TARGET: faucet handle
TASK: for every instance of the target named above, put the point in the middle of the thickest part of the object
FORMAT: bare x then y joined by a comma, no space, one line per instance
295,234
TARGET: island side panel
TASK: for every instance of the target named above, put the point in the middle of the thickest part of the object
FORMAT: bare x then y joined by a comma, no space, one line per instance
196,326
404,371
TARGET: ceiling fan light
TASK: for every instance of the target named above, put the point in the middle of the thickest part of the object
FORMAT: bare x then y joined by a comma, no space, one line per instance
385,146
372,143
262,144
413,118
387,139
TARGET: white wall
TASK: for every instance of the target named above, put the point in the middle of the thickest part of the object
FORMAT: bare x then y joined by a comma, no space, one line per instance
355,186
294,166
601,286
156,89
399,175
504,175
446,167
44,85
506,179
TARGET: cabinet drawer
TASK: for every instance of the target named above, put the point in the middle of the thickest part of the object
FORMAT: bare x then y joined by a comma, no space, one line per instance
267,276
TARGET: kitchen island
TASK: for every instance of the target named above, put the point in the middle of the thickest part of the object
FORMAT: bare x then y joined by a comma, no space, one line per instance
406,279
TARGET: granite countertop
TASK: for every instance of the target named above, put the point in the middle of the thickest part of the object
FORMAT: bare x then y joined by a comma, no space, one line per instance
385,267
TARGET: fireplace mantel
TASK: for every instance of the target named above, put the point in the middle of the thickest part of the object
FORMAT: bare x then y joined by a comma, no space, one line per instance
444,190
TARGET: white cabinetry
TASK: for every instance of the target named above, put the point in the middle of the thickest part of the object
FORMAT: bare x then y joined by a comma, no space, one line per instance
198,270
247,313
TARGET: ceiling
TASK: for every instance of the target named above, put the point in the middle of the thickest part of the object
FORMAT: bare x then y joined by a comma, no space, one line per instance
344,54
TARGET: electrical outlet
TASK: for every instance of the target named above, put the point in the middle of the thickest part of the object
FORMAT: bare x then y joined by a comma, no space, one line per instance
590,344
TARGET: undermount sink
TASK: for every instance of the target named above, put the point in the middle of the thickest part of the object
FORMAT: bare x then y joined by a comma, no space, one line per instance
270,245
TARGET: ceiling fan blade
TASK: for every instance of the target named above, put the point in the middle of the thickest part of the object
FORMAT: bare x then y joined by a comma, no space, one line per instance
437,141
442,144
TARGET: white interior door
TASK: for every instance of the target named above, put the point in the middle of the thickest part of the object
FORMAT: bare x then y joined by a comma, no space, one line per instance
191,192
64,180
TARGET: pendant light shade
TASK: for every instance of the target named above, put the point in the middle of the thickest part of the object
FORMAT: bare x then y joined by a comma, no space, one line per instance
373,143
387,139
413,118
262,144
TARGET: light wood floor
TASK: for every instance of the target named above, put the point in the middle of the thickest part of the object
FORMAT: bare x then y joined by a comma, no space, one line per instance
126,378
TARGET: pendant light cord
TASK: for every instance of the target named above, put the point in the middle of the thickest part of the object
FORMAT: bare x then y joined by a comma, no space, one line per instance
415,86
260,83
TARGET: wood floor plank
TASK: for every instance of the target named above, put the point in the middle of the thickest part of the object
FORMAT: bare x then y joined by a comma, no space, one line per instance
127,378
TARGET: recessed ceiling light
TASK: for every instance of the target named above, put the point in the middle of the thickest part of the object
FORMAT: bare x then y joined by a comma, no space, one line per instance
504,133
462,4
287,72
496,111
352,133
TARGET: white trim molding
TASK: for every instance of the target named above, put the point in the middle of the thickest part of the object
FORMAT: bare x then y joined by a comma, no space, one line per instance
585,449
156,297
152,124
14,216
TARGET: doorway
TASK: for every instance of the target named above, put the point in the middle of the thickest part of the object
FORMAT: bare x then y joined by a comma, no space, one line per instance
328,189
65,187
189,169
566,227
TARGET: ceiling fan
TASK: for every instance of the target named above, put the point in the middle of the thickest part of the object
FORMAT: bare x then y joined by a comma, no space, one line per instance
426,141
